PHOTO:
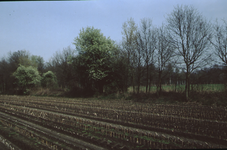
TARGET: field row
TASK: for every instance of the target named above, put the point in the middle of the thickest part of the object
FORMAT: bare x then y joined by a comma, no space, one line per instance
40,137
208,128
74,125
183,111
107,127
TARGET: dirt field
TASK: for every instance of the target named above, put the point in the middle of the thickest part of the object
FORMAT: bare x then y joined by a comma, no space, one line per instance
62,123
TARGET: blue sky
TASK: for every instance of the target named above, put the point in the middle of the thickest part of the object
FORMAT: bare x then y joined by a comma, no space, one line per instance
44,27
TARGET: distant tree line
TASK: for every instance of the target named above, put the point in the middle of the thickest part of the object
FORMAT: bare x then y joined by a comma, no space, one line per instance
187,50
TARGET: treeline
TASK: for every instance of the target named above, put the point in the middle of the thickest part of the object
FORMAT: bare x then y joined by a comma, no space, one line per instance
181,51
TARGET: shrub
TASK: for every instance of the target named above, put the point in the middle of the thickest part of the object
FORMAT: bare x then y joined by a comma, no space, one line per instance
49,80
27,78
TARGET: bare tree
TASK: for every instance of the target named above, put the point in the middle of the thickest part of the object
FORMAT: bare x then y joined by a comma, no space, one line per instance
191,33
146,41
138,54
220,43
129,44
59,65
164,53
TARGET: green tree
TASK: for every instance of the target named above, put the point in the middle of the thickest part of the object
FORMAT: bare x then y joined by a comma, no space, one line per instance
49,80
38,62
95,52
27,78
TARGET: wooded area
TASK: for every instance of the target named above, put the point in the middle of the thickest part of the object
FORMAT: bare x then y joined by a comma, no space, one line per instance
186,50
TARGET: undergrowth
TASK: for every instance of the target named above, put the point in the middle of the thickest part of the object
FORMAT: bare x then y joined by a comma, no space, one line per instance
210,98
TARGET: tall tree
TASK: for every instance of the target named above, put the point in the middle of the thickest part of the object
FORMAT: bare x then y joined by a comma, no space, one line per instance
164,53
138,58
63,70
4,75
146,40
220,41
220,45
95,52
191,33
119,69
38,62
129,41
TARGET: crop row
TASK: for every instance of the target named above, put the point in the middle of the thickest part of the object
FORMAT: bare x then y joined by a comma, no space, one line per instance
146,139
38,141
39,136
194,112
76,131
8,144
210,128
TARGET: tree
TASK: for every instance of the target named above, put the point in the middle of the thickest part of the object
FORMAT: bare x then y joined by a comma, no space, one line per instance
10,65
15,58
27,78
191,34
176,78
220,45
129,42
165,51
95,52
63,70
220,41
49,80
38,62
138,59
4,75
146,41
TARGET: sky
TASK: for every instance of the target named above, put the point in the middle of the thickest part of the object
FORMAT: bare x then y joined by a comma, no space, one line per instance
45,27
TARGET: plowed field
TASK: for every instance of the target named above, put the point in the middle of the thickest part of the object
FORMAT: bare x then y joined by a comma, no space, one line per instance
62,123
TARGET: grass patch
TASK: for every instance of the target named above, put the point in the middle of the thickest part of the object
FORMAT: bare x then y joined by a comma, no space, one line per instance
181,88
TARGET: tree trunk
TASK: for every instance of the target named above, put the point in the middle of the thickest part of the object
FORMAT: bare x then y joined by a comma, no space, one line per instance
133,85
187,86
159,83
150,83
147,77
138,88
138,80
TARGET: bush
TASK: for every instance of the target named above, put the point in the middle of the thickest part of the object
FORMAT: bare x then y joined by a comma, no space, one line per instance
27,78
49,80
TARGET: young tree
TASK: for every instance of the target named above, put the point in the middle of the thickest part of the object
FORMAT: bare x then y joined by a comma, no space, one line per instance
95,52
27,77
191,34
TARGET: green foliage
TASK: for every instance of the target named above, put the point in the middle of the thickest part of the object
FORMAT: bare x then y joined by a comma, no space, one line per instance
94,60
38,62
49,80
27,77
34,61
